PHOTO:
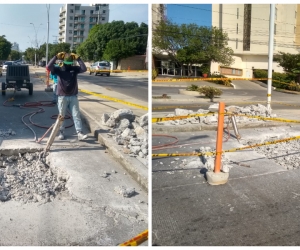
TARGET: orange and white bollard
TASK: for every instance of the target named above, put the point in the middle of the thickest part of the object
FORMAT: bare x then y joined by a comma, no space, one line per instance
217,177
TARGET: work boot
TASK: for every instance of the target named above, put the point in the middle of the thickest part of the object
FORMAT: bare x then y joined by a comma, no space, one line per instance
81,136
61,135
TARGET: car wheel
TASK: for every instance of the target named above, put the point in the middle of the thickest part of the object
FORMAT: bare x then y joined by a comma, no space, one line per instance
108,74
90,72
30,87
3,88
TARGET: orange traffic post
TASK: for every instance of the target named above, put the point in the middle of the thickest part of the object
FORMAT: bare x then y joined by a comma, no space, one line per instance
219,137
217,177
47,78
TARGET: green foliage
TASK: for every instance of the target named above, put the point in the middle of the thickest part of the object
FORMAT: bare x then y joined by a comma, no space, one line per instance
192,87
288,61
210,92
114,41
154,74
14,55
5,48
190,43
205,69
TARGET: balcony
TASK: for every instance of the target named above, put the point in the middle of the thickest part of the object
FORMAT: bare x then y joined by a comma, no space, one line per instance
62,24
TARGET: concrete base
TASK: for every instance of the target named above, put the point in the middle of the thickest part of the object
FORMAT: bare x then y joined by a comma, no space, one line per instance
217,178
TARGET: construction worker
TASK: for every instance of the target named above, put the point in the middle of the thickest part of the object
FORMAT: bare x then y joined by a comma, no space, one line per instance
67,88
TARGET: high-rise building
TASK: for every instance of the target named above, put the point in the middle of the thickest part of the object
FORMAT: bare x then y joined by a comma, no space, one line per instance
75,21
158,13
15,46
247,26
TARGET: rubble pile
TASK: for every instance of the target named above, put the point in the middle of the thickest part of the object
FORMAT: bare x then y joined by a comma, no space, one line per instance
252,110
26,178
285,154
129,131
6,133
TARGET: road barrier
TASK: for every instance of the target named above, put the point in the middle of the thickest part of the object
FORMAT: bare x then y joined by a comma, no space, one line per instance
137,240
112,99
229,150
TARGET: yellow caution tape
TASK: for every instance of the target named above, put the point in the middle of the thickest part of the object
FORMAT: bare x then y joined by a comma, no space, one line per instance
113,99
139,239
180,117
119,71
268,95
267,118
206,79
229,150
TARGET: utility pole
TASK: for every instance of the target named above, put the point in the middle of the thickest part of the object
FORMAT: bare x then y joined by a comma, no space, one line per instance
271,45
36,42
48,8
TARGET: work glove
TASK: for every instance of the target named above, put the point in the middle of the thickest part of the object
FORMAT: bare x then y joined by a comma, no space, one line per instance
75,56
61,55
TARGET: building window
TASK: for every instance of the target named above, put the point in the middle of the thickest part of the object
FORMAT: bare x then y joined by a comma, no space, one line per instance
236,44
81,33
104,11
75,39
97,8
231,71
71,24
72,11
77,7
75,26
70,38
91,26
91,12
75,33
82,26
71,18
275,29
237,13
83,12
91,19
70,31
82,19
237,28
103,18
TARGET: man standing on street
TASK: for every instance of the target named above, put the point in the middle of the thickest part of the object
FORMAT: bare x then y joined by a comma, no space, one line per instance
67,89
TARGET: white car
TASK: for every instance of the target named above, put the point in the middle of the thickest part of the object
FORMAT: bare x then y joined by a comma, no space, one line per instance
100,68
5,65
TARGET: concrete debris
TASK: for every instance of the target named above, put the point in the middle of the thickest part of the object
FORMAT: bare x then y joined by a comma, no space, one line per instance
252,110
125,192
129,131
285,154
7,133
28,179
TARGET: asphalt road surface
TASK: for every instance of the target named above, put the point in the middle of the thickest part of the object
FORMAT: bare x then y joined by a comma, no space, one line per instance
133,85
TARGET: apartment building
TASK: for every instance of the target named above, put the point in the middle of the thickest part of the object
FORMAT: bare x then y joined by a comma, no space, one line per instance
15,46
247,26
76,20
158,13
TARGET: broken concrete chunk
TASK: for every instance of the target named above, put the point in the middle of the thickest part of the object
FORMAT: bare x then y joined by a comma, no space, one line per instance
123,113
125,192
104,118
143,120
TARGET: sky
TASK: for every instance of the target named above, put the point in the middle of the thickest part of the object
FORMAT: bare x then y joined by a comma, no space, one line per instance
15,20
190,13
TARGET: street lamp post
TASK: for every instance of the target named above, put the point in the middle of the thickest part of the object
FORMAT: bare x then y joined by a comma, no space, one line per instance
36,42
48,8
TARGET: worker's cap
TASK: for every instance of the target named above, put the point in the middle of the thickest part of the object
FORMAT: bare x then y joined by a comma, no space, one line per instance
68,59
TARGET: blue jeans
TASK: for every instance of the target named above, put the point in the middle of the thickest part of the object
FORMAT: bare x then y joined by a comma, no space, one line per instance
55,96
71,102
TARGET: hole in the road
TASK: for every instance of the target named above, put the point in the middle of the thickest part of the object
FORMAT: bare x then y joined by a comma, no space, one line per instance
27,177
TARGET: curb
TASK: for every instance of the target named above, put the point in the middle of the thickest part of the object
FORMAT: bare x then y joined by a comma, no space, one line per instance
137,170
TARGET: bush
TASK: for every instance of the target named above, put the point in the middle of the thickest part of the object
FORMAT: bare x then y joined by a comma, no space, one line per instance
222,82
210,92
154,74
192,87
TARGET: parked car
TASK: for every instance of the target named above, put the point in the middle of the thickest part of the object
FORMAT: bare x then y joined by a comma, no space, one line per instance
42,63
100,68
4,67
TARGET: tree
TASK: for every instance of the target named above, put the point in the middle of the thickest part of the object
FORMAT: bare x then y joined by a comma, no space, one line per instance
188,44
287,61
5,48
105,40
29,54
14,55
